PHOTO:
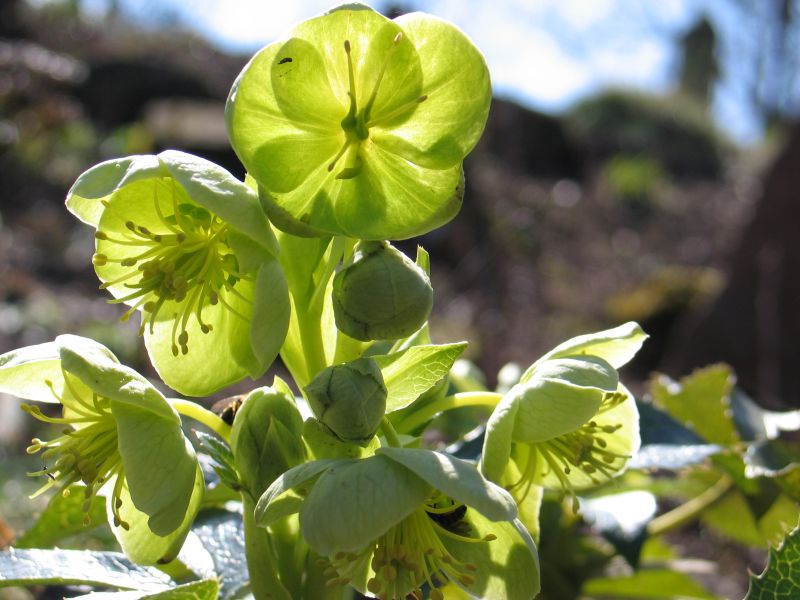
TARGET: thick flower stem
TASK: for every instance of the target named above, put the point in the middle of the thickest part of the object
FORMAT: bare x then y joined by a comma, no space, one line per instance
202,415
264,581
690,510
460,400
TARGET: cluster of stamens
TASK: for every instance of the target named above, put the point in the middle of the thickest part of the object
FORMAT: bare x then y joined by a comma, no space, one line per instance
85,452
356,123
584,449
182,269
412,554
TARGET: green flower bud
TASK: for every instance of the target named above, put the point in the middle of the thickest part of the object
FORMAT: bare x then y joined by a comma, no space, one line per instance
350,399
266,438
381,295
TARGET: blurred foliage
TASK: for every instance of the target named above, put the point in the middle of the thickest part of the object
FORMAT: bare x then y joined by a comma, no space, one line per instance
634,180
673,131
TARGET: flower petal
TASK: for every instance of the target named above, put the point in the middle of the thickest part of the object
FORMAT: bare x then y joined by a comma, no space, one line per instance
508,567
616,346
456,83
354,503
458,479
142,545
23,373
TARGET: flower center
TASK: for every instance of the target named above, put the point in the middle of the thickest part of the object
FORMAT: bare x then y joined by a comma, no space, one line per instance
183,268
356,122
412,554
86,452
584,449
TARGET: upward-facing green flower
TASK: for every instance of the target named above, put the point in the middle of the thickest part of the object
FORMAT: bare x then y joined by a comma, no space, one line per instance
403,518
185,243
569,423
118,434
355,124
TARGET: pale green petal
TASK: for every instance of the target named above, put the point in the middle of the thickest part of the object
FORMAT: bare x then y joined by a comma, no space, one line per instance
458,479
353,504
160,464
271,311
456,82
143,546
582,371
215,189
497,440
625,442
292,478
508,567
101,181
23,373
549,408
204,369
616,346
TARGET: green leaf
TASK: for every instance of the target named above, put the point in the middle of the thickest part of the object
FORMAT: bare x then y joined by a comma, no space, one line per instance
781,577
458,479
410,373
63,517
648,584
196,590
355,502
701,401
222,534
78,567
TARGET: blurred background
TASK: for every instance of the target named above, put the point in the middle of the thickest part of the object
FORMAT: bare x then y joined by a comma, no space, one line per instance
641,162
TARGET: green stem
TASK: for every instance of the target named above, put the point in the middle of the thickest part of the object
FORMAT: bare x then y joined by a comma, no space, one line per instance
390,434
690,510
201,415
310,325
462,399
264,581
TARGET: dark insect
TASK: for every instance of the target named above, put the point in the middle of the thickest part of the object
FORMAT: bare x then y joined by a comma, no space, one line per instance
284,60
227,407
453,520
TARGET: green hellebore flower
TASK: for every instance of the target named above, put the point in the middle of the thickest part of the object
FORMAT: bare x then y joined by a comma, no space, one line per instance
357,125
119,434
403,518
381,294
569,424
185,243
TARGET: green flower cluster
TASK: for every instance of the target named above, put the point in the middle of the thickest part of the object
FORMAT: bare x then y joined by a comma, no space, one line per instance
353,129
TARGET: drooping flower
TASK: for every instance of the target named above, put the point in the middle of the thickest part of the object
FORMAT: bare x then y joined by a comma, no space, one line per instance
119,434
402,519
569,423
185,243
357,125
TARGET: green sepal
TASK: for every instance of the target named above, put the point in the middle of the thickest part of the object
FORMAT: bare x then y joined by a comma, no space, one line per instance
23,373
370,495
294,478
266,439
616,346
562,395
458,479
508,566
143,546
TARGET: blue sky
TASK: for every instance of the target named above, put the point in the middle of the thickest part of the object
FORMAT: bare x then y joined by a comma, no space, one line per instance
543,53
